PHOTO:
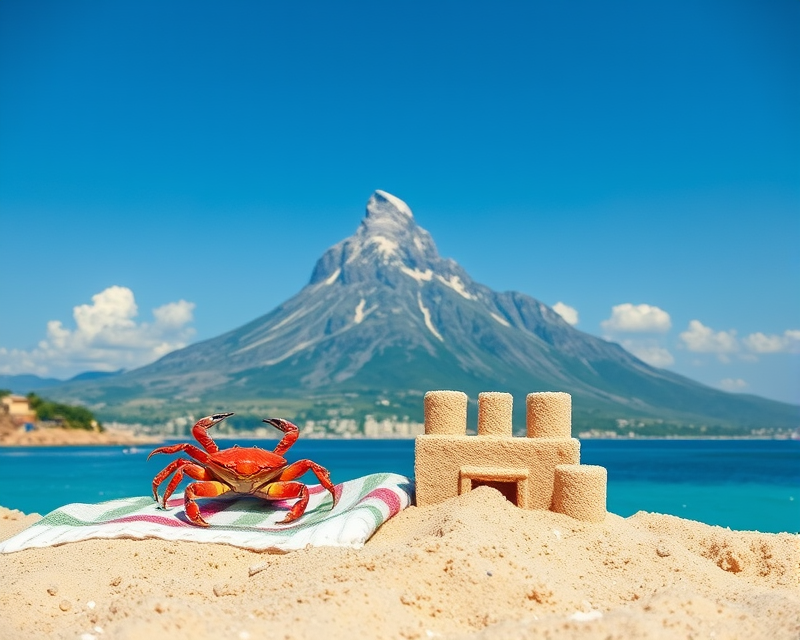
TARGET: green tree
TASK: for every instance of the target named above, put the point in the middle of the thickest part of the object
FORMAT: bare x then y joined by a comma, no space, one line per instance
73,417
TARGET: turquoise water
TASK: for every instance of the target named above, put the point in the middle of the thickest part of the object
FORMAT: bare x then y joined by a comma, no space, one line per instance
742,484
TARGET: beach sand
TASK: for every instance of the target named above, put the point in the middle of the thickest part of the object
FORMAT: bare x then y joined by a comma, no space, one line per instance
472,567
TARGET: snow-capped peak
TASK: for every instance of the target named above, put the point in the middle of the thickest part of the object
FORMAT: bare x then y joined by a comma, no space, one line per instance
380,199
389,246
387,216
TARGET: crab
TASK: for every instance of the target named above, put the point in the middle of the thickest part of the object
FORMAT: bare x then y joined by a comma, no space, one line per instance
242,470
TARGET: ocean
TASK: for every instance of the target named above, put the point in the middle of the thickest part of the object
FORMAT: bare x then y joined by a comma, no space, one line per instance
741,484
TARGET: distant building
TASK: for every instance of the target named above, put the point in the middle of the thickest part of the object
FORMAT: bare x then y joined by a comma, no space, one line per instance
392,427
18,409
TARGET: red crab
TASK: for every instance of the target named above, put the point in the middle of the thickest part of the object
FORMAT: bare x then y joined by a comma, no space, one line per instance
245,470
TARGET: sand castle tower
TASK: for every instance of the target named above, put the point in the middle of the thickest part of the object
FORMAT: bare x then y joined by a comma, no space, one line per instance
540,471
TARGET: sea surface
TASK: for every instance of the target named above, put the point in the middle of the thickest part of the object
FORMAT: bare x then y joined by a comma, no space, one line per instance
741,484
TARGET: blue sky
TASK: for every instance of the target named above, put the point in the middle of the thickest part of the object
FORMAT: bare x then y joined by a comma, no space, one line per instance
170,171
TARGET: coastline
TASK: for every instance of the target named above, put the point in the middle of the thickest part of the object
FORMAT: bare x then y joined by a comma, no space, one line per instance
472,567
693,438
111,437
61,437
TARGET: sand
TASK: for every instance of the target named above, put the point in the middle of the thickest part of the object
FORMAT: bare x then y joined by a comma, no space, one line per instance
72,437
474,566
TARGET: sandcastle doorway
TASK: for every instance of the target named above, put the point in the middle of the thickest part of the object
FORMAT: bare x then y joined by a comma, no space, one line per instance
508,489
512,483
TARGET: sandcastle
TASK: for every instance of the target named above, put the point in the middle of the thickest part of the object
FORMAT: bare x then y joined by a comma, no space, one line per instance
540,471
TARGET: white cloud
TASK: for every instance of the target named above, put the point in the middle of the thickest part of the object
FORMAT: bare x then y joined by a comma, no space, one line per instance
106,337
174,314
640,318
788,342
652,354
570,314
702,339
733,384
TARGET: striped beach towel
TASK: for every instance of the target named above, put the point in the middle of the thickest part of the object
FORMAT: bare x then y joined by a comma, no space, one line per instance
363,505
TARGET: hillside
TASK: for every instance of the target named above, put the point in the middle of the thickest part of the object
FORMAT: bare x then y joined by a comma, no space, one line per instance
385,318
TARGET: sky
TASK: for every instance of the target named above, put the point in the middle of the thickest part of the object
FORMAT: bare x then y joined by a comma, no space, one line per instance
172,170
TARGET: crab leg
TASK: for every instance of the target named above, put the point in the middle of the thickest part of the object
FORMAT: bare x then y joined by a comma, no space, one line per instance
297,469
165,472
183,466
207,489
291,433
190,449
284,490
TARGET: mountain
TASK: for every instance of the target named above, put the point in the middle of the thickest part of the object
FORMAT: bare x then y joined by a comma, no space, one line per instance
385,318
95,375
28,382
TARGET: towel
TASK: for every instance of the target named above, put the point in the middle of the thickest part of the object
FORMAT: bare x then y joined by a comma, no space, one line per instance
363,505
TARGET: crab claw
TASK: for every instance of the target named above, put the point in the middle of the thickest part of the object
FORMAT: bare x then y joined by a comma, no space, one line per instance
210,421
280,423
291,432
203,424
200,428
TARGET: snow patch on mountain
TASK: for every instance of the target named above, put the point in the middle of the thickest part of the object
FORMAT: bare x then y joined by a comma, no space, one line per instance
454,282
359,317
426,314
500,319
332,278
386,247
419,276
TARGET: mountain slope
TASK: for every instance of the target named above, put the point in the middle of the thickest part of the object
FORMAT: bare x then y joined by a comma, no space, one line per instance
385,316
26,383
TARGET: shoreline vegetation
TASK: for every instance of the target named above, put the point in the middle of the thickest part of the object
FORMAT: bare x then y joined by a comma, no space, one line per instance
27,421
474,566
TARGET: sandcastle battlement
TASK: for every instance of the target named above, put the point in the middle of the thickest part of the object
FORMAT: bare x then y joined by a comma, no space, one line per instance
540,471
549,414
